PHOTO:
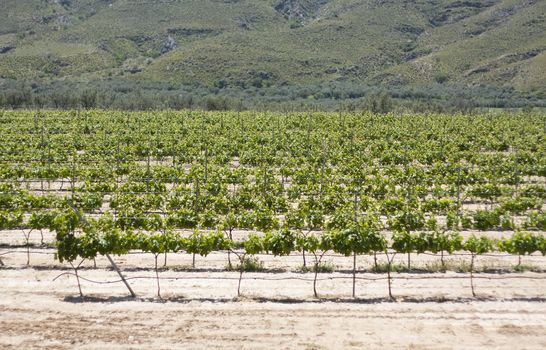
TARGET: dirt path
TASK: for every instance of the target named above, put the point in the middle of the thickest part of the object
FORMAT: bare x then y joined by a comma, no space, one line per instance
250,325
280,313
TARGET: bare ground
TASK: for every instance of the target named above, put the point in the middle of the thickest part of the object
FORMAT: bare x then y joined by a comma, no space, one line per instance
201,310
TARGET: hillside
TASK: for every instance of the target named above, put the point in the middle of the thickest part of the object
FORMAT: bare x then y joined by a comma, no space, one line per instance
260,43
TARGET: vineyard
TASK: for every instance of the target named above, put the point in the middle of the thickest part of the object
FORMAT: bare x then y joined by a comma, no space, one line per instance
386,197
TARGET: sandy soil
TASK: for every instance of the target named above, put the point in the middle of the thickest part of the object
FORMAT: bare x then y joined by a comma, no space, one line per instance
201,310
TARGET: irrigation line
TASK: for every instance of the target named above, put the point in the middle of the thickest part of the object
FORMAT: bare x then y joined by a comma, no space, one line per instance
300,278
180,179
294,256
24,252
173,192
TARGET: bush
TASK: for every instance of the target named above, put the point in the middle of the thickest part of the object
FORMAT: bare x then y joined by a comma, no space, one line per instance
486,220
441,78
252,264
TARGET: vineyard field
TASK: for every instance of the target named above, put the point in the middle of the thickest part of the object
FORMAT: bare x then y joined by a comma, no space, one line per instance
259,216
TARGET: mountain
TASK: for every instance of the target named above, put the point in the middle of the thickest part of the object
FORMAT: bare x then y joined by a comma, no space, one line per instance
261,43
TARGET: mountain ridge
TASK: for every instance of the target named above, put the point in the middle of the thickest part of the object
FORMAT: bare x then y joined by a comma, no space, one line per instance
252,43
